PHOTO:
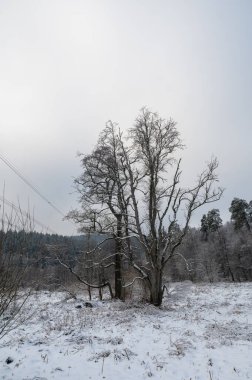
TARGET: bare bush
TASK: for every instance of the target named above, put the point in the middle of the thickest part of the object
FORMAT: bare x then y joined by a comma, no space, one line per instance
13,267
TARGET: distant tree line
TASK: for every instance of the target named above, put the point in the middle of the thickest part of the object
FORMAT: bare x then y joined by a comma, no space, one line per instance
217,252
213,252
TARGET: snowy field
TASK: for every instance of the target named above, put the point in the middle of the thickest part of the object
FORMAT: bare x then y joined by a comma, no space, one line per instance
202,332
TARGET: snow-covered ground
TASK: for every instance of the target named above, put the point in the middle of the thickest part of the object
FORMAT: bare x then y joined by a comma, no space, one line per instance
201,332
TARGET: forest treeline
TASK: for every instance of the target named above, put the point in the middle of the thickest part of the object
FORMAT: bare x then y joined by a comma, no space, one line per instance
225,255
213,252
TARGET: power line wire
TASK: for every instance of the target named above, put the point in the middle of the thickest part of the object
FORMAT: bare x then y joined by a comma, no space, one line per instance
28,183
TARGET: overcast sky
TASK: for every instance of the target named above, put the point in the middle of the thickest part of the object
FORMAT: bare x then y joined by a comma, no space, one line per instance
68,66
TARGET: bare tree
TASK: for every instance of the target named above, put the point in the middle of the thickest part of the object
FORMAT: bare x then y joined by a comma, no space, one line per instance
132,188
157,200
103,195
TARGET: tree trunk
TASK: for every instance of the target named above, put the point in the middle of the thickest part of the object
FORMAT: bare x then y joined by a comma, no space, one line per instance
156,287
118,276
118,260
